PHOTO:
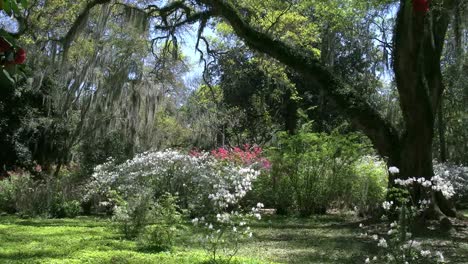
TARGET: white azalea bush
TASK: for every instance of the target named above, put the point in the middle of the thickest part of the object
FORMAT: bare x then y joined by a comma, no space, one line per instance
457,175
209,189
397,245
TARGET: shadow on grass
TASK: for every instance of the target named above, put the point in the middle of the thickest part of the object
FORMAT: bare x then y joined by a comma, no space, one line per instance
22,257
85,222
323,239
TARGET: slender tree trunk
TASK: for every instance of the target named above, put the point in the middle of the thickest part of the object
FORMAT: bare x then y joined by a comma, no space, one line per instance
290,113
441,130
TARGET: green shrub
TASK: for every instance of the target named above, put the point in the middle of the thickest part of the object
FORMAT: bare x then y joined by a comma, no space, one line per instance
71,208
313,172
29,197
154,224
7,191
167,221
370,185
49,197
132,216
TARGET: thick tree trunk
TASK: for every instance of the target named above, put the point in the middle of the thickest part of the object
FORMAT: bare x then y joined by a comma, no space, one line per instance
415,160
418,40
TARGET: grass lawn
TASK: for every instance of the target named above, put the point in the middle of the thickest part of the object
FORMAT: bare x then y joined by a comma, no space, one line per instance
82,240
324,239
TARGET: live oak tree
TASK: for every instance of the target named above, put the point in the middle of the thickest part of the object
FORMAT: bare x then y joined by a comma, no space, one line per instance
340,34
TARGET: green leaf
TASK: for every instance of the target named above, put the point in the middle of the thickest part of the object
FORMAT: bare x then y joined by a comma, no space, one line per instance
7,7
8,76
15,7
24,3
7,37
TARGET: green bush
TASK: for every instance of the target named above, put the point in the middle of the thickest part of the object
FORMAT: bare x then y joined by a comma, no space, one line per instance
370,184
49,197
7,191
313,172
154,224
132,216
166,225
71,208
27,197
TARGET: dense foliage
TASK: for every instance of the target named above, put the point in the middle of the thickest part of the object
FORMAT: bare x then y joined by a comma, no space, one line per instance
315,172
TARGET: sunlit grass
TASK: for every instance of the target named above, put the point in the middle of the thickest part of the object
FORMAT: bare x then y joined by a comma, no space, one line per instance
323,239
83,240
93,240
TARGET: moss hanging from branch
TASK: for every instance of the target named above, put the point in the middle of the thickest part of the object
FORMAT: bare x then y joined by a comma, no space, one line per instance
136,18
79,24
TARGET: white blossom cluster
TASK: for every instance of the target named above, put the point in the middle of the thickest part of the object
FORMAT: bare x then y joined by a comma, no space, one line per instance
436,183
449,179
211,189
396,245
197,178
386,205
398,251
457,175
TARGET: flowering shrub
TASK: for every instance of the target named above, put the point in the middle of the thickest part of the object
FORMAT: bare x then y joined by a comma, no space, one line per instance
458,177
210,188
224,232
398,246
193,178
247,155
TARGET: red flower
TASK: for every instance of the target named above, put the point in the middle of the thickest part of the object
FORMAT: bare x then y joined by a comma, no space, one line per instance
220,153
421,6
20,56
266,164
195,153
